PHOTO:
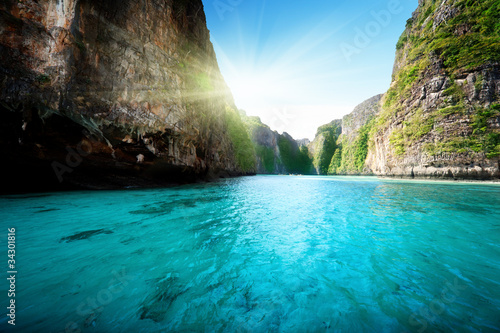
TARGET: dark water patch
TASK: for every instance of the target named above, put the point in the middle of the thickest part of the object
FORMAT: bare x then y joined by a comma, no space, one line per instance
27,196
207,223
139,251
73,292
91,320
186,203
213,286
47,210
137,222
211,198
469,208
85,235
245,300
152,211
157,304
161,208
128,240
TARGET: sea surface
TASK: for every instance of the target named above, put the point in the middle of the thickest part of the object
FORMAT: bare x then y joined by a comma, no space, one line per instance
257,254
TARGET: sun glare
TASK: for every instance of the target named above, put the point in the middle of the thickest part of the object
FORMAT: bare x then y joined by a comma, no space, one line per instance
256,88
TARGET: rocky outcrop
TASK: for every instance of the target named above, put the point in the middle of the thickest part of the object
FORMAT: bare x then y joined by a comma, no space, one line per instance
340,147
360,116
352,145
277,153
303,142
266,146
111,94
441,116
323,147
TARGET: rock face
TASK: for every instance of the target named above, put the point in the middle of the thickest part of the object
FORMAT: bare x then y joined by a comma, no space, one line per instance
323,147
277,153
353,143
441,116
360,116
303,142
111,94
266,145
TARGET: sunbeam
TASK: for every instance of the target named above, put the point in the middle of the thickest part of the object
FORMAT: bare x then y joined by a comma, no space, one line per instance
270,63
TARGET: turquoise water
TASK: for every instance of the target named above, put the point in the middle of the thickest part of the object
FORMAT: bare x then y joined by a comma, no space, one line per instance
258,254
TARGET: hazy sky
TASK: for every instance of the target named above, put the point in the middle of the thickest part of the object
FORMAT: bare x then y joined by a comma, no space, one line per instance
299,64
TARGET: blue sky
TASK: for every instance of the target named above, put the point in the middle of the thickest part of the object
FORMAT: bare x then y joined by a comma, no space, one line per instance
299,64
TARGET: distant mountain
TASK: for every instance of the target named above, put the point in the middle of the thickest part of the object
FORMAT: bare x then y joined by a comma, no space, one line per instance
277,153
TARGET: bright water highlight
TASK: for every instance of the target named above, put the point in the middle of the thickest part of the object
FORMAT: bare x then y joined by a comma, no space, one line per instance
258,254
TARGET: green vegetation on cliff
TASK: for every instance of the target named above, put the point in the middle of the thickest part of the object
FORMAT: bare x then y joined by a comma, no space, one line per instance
243,147
326,144
276,153
468,38
478,42
295,160
266,155
482,140
418,125
304,161
466,35
488,141
350,156
442,110
446,39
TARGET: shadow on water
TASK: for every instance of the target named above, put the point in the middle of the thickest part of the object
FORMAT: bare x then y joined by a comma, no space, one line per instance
163,207
84,235
155,209
26,196
47,210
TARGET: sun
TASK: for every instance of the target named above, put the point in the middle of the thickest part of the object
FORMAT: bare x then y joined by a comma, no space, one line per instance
254,88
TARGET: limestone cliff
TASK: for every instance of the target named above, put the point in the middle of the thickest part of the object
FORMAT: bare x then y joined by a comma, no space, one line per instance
267,151
441,116
277,153
353,143
113,93
324,145
341,147
303,142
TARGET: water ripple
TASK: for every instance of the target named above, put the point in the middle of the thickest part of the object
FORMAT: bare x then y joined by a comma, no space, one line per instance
260,254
